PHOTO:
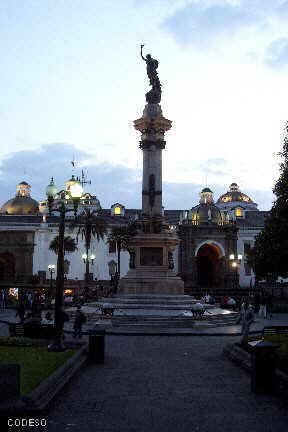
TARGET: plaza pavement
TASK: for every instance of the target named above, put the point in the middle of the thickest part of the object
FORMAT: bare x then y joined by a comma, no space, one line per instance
164,384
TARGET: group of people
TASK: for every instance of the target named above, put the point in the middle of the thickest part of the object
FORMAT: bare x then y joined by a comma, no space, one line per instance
263,305
208,299
31,313
2,299
33,316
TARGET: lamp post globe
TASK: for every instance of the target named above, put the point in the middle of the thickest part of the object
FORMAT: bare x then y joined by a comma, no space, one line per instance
76,190
60,207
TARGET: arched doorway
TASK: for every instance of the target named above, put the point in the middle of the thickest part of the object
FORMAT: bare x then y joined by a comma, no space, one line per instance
209,265
7,266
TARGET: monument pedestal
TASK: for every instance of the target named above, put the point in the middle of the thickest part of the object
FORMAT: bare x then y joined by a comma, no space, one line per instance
151,265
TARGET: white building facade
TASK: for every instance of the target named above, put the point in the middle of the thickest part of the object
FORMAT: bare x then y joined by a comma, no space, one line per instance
228,225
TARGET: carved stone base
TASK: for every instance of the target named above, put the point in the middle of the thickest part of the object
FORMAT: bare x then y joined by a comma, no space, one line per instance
143,284
153,272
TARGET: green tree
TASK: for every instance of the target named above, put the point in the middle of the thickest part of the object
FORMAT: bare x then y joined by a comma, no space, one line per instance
121,236
69,244
269,257
90,225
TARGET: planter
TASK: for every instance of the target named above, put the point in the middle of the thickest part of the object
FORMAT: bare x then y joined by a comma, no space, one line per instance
39,398
243,359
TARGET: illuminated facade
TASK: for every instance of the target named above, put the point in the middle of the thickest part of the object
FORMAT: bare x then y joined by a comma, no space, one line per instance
209,232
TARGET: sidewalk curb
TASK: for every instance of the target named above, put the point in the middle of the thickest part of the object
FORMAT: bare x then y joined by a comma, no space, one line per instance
165,332
242,358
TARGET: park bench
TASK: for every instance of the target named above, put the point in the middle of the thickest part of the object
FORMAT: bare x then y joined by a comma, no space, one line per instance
43,331
16,330
275,330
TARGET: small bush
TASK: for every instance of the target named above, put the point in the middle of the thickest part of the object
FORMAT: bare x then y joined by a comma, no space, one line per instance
15,341
280,308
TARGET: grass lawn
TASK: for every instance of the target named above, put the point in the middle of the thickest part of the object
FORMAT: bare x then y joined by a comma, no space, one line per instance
36,363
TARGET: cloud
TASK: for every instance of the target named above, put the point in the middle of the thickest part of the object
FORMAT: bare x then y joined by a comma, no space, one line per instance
214,167
199,23
184,195
110,183
277,53
249,24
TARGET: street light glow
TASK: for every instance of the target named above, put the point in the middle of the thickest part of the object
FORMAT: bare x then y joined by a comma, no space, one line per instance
76,190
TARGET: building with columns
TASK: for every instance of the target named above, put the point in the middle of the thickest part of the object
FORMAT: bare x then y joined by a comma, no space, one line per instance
210,233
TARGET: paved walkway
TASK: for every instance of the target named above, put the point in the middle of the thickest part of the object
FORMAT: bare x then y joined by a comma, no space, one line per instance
167,384
164,383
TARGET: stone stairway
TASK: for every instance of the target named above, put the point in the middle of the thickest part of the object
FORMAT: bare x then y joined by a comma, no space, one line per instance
144,311
138,321
149,302
156,321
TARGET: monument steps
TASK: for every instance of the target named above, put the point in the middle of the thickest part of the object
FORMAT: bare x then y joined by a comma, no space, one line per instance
149,301
160,321
175,321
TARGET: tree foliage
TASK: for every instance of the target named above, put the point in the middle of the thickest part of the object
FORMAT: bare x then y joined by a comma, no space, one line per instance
69,244
90,225
269,257
121,236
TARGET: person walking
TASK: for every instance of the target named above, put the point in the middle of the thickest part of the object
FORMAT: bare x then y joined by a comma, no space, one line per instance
269,306
21,312
257,299
80,319
2,299
247,319
30,299
263,309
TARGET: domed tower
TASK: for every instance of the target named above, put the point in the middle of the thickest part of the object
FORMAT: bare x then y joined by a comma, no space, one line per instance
206,212
236,201
22,203
87,200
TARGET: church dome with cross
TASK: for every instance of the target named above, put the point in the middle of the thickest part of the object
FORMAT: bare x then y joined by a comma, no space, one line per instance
22,203
206,212
235,197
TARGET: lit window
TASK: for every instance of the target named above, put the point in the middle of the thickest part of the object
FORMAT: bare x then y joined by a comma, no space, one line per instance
117,210
238,212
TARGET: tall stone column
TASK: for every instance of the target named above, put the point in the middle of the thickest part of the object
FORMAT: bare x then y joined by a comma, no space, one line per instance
151,269
152,126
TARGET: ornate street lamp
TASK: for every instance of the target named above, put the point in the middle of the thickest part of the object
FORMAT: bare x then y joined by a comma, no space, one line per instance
51,269
87,259
73,194
235,264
